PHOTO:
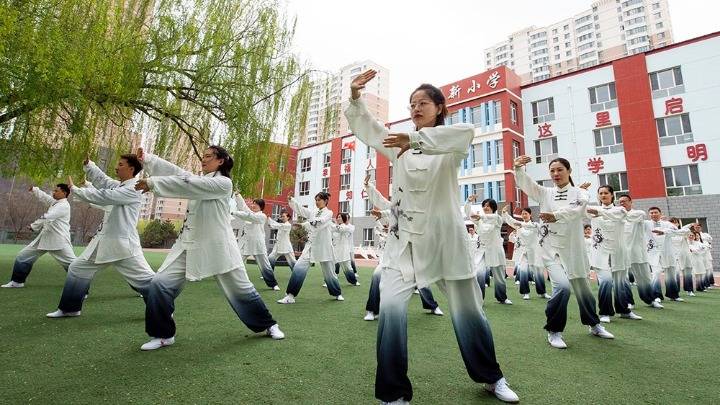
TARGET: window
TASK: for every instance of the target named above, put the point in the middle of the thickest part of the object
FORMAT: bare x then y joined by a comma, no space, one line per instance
501,191
276,210
478,189
390,176
586,46
454,118
636,11
325,184
568,53
344,207
513,112
661,35
281,165
326,159
608,140
368,207
618,181
636,30
667,82
602,97
346,155
368,237
655,6
499,151
498,117
546,150
345,181
516,149
368,152
543,110
682,180
674,129
371,173
657,15
476,113
305,164
304,188
585,37
477,154
278,187
273,236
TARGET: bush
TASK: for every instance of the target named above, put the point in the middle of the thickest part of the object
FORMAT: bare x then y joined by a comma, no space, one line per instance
158,234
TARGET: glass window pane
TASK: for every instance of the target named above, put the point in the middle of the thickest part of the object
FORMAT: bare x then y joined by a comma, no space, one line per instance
668,177
686,123
654,82
661,127
673,125
666,79
537,148
678,76
598,139
608,136
694,175
624,181
551,106
682,176
593,100
603,94
554,145
613,95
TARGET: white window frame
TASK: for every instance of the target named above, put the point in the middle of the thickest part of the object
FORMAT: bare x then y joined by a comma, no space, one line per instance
548,113
672,186
664,125
539,158
614,145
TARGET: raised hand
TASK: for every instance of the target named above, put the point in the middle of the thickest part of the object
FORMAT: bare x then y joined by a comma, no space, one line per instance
401,141
505,209
31,187
521,161
472,198
87,160
376,213
70,182
140,154
548,217
142,185
360,81
592,211
585,185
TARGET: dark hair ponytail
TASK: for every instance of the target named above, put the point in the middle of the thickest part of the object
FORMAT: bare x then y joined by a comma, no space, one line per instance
227,164
344,217
437,97
565,163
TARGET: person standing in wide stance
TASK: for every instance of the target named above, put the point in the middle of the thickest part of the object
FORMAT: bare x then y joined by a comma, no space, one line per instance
252,238
425,200
117,242
562,209
205,247
282,246
54,237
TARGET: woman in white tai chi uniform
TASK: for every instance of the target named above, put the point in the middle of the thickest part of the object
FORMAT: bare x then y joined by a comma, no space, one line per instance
562,209
205,247
282,246
342,235
526,255
425,199
252,236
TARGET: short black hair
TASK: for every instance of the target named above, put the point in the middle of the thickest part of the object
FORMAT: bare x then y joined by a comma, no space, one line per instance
345,217
323,196
655,208
133,161
625,195
587,226
260,202
64,187
492,203
528,210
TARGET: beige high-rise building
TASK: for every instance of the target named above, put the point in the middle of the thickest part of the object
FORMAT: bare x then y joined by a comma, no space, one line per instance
609,30
331,95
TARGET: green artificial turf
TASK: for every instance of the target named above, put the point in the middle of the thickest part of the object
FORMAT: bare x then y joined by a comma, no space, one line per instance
328,357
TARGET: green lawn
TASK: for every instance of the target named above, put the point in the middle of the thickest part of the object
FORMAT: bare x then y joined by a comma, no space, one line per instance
670,357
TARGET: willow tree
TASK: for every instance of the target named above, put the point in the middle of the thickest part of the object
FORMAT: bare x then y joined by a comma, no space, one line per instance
85,76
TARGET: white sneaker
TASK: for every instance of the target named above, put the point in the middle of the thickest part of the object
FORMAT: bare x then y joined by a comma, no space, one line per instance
416,291
599,331
357,283
656,304
340,298
437,311
631,306
369,316
657,300
502,391
526,296
678,299
288,299
555,339
276,288
400,401
517,283
631,315
157,343
605,319
13,284
61,314
275,332
487,285
547,296
506,302
324,285
691,294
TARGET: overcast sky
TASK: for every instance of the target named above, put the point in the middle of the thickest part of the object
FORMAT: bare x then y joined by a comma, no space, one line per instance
440,41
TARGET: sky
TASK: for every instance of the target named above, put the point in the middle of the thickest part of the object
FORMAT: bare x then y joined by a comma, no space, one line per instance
440,41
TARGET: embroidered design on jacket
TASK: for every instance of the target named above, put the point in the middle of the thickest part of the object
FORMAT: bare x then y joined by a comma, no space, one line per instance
597,238
544,232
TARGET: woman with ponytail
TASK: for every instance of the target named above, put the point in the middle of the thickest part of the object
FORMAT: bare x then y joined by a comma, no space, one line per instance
206,246
562,209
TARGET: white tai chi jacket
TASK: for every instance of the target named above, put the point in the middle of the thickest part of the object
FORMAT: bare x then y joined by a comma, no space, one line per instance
282,241
118,237
656,243
343,241
607,251
562,240
488,230
424,196
54,225
636,243
206,237
252,234
697,257
526,241
319,246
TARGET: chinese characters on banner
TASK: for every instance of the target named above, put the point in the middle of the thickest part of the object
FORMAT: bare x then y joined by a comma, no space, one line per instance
602,119
595,165
697,152
472,86
674,106
545,130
